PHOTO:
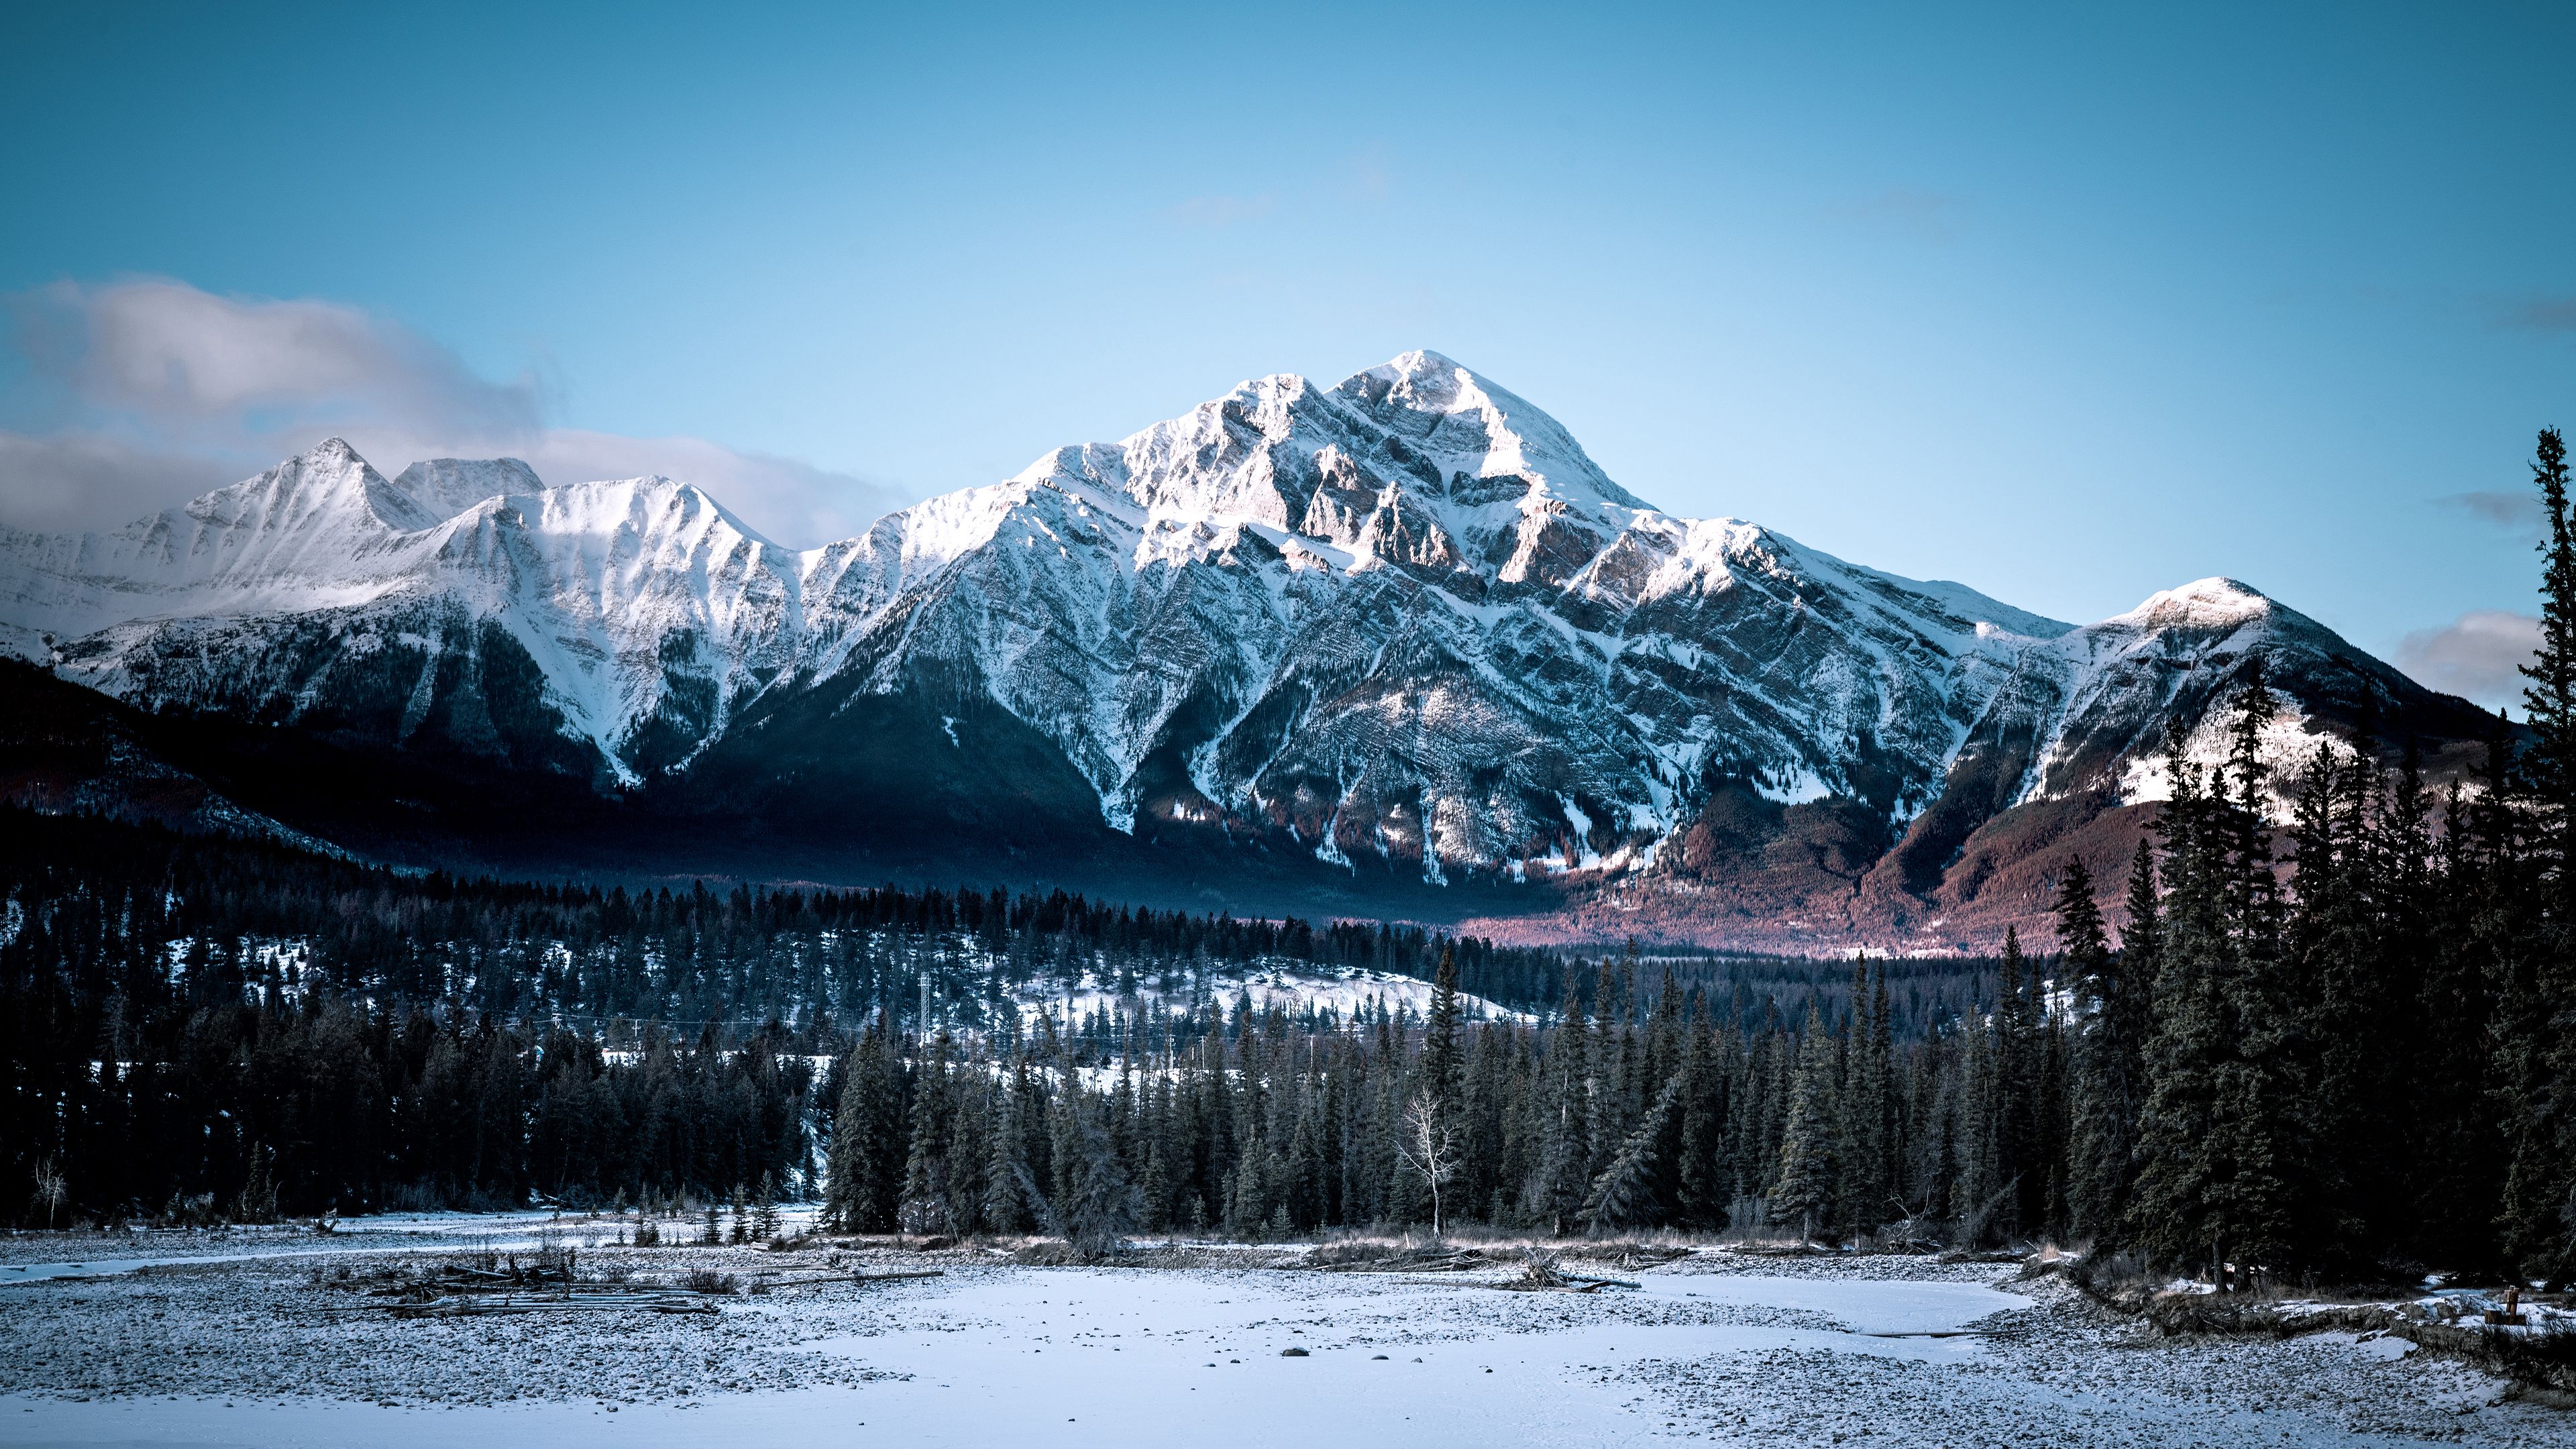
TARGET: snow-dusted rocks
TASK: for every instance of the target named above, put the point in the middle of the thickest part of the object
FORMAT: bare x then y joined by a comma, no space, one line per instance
1402,625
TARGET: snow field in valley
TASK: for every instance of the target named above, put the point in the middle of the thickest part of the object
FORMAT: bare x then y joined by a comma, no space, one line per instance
1350,993
1713,1348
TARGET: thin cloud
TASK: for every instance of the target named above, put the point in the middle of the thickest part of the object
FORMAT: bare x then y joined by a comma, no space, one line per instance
74,482
166,351
792,502
2539,314
2520,512
161,391
1366,178
1217,212
2478,656
1912,210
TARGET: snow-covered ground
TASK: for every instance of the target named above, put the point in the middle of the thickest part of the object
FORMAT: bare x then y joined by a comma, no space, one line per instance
1293,987
259,1350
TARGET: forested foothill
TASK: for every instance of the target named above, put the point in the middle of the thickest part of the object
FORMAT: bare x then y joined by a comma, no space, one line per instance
2332,1037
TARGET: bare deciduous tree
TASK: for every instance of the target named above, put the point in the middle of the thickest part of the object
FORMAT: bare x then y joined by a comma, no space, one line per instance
50,1192
1430,1147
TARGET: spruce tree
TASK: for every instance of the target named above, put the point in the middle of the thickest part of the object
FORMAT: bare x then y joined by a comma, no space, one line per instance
2549,697
924,1206
1565,1171
2106,1055
868,1138
1634,1190
1012,1202
1102,1205
2020,1162
1805,1181
2226,1159
2536,975
1867,1109
2338,952
2176,1213
1708,1187
2455,1144
1441,1065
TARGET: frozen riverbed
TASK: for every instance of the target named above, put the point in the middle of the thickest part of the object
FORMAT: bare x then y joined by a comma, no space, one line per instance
262,1351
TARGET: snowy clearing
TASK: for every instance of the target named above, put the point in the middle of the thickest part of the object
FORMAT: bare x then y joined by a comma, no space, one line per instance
260,1349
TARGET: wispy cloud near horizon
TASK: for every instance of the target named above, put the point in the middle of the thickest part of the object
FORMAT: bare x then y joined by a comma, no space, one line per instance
2539,314
2478,656
1915,211
2520,512
142,393
1218,211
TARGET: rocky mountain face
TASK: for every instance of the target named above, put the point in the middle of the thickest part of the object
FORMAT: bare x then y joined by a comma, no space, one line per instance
1392,646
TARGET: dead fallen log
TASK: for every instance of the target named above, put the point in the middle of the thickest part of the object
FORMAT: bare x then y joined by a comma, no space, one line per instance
1465,1260
1546,1276
475,1305
804,1280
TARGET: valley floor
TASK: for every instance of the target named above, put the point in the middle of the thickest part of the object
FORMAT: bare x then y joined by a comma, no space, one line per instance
251,1343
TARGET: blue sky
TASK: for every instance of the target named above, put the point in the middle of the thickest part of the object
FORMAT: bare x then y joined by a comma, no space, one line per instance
2068,307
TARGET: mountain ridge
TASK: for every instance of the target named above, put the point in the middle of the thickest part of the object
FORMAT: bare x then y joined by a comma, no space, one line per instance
1402,628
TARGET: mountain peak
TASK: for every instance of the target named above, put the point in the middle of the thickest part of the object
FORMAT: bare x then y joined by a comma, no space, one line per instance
327,478
446,487
2214,602
1420,362
1471,424
651,505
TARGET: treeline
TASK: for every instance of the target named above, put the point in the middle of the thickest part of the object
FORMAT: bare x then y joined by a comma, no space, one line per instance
584,953
202,1026
239,1112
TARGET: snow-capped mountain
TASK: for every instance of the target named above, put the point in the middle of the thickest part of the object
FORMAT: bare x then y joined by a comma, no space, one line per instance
1402,626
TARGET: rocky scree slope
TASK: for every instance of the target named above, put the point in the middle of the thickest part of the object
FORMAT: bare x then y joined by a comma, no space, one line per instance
1398,641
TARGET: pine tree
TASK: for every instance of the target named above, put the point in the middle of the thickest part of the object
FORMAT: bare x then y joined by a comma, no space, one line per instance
1866,1110
1012,1201
2222,1153
2336,946
1441,1065
868,1138
1566,1168
2175,1212
925,1207
2549,698
2266,1083
1102,1205
2110,1024
1633,1191
2021,1166
1708,1186
2536,979
1806,1177
2455,1144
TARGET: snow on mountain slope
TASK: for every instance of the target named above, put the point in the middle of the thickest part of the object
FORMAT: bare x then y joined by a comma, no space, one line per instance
1403,620
1407,617
620,595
